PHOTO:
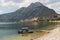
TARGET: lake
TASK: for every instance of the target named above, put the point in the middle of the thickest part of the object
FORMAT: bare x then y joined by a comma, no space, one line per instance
11,30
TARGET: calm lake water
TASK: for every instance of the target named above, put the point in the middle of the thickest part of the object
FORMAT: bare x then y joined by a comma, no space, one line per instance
12,29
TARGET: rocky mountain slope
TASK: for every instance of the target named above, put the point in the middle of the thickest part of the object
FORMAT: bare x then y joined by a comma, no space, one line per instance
34,10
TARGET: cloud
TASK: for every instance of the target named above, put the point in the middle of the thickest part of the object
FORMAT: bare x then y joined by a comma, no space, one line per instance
24,3
44,1
55,6
21,4
17,1
28,2
1,12
10,3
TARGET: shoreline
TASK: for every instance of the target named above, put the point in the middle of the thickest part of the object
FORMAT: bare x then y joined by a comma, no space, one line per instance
54,21
53,35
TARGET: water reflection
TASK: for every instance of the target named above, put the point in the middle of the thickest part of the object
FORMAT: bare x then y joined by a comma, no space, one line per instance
33,25
11,29
37,25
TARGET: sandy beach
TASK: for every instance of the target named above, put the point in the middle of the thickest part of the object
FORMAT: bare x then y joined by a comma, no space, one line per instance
53,35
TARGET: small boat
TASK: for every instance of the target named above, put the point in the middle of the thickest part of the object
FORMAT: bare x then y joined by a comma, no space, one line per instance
25,30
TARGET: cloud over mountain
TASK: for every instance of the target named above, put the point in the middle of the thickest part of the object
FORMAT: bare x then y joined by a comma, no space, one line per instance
19,4
15,4
55,6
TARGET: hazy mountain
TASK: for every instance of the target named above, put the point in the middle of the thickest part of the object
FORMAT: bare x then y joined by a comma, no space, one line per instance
33,10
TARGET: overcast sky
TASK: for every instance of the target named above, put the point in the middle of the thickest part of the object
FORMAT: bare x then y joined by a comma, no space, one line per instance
7,6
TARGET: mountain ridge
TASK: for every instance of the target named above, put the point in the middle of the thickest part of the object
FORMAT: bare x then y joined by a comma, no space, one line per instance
33,10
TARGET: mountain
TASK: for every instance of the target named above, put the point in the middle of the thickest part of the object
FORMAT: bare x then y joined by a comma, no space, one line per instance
34,10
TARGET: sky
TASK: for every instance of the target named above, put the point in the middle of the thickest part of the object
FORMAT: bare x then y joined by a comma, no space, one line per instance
7,6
